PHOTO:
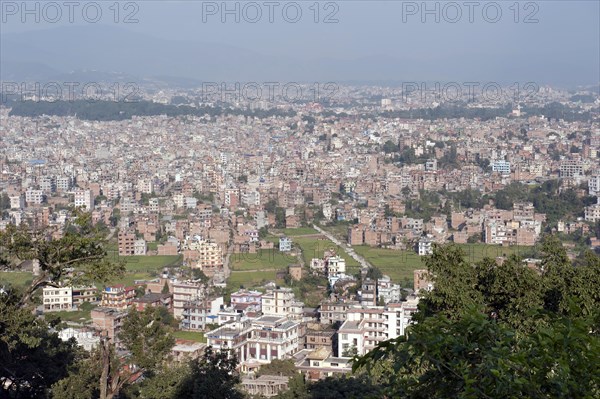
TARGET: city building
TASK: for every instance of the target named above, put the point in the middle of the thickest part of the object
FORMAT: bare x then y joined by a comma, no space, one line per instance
117,297
57,299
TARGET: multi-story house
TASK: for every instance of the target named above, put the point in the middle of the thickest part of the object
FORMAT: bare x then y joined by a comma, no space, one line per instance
282,302
197,314
57,299
126,243
184,292
84,199
258,341
367,326
117,297
331,312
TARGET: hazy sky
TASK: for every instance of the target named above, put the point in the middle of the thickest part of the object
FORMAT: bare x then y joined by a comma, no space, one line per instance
565,34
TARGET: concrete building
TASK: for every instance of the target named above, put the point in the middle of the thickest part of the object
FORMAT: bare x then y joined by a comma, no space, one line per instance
34,197
84,199
257,341
367,326
285,244
501,166
197,314
117,297
282,302
139,247
17,202
424,246
266,386
57,299
126,243
184,292
108,321
592,212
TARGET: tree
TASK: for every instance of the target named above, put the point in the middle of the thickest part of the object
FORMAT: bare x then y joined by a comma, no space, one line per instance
279,367
476,357
344,388
211,376
389,147
32,357
77,258
489,330
146,335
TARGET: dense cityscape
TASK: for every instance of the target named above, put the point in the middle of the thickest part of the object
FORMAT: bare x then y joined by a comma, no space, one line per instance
295,200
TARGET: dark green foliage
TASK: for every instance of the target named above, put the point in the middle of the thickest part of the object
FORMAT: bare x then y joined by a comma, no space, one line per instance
499,331
477,357
32,358
279,367
147,336
77,258
122,110
344,388
211,376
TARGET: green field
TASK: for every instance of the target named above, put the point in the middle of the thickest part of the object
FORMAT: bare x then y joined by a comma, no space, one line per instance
399,265
190,336
137,268
145,263
263,259
16,279
300,231
78,316
251,279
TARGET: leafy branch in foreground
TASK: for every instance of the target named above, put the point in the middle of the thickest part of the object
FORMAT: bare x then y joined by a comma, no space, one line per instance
77,257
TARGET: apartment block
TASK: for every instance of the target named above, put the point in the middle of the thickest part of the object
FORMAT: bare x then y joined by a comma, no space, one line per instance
117,297
282,302
127,241
57,299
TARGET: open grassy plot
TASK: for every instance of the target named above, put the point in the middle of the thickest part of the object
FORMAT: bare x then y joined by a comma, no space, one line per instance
190,336
78,316
476,252
340,231
399,265
145,263
263,259
250,279
16,279
300,231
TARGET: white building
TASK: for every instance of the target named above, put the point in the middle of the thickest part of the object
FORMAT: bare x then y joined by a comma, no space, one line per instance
258,341
64,183
336,265
594,185
366,326
282,302
285,244
88,340
501,166
424,247
592,212
198,314
139,247
17,202
34,197
57,299
84,199
145,186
